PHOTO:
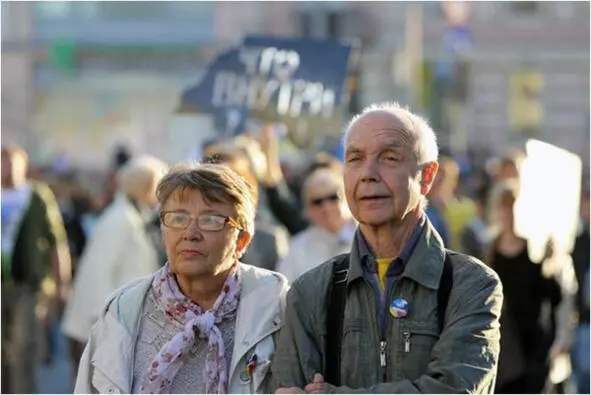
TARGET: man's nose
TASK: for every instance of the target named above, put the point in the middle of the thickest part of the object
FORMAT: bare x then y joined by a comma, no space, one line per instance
370,171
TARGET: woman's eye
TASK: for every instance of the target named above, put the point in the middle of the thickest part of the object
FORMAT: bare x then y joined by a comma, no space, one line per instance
178,219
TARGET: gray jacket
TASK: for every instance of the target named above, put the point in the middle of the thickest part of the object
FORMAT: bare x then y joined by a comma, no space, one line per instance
418,359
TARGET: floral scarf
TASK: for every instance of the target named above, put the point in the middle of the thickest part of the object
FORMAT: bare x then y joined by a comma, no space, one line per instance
169,359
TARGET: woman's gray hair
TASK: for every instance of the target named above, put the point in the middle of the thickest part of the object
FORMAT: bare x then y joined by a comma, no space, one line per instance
217,183
136,176
426,149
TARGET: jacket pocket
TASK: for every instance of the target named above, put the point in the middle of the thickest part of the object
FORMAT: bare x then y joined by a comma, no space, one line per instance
103,385
416,342
356,353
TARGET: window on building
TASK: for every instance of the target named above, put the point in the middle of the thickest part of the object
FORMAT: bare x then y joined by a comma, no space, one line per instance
133,9
524,7
334,24
305,22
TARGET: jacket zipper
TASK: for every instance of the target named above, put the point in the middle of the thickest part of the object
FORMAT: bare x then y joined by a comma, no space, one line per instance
384,342
377,332
406,335
383,345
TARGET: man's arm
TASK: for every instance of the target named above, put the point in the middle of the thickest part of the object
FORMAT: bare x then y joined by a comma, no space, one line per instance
465,357
298,355
61,268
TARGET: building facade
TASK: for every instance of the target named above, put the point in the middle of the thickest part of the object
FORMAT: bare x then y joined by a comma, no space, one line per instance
80,77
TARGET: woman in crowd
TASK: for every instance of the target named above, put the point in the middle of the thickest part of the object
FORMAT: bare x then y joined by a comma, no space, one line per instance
118,250
204,323
527,334
332,229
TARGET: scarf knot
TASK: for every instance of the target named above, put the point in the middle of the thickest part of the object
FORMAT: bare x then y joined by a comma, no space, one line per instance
203,324
196,323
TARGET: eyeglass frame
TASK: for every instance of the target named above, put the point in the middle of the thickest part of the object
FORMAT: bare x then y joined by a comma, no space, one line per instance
193,218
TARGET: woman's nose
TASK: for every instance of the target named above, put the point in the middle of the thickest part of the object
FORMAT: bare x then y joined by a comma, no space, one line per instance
192,232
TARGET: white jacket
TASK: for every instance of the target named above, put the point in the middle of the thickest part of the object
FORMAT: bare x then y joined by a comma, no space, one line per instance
118,252
106,365
309,249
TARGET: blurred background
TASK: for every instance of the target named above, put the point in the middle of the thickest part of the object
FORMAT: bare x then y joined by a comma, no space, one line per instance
87,85
81,77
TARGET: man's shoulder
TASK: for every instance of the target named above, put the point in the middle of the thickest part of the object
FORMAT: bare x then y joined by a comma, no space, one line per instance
41,191
470,270
315,283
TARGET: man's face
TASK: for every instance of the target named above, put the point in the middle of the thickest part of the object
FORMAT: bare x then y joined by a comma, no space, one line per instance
14,169
382,174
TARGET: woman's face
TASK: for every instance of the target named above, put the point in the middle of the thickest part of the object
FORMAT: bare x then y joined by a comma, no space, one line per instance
193,252
505,213
327,208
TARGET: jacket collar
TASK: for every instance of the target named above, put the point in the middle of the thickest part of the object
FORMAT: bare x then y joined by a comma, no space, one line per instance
424,264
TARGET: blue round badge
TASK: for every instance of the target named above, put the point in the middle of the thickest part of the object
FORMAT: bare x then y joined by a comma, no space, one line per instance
399,308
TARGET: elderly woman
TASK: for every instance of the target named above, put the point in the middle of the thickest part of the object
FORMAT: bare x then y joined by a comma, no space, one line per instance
118,251
204,323
332,227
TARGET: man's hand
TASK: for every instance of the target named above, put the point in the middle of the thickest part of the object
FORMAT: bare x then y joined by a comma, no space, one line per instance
316,386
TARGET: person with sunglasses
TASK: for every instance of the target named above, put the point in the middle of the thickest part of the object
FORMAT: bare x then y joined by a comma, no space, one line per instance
205,322
332,227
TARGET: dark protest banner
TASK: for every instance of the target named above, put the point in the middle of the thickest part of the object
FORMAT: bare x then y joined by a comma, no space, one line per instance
299,82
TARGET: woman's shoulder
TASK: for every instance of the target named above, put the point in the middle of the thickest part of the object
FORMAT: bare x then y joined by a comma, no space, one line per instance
253,277
126,303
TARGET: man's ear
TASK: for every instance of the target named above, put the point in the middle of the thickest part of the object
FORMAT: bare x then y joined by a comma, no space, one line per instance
428,175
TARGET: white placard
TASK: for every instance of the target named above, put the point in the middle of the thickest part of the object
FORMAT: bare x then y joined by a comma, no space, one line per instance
549,198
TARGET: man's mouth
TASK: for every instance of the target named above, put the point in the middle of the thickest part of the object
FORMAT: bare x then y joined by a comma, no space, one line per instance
372,198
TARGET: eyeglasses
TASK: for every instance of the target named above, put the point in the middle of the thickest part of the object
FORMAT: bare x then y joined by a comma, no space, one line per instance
205,222
319,201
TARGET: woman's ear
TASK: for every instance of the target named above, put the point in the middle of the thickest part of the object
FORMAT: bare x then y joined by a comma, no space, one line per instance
244,238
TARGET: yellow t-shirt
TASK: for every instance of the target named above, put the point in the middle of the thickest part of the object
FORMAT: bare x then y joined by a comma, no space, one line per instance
383,265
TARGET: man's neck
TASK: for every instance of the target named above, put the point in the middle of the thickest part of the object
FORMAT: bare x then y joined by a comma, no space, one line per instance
13,184
203,290
388,241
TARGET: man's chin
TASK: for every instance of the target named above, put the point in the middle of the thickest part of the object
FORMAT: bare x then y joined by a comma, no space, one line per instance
373,221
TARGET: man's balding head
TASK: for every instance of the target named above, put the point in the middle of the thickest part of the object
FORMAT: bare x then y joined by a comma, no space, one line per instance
398,117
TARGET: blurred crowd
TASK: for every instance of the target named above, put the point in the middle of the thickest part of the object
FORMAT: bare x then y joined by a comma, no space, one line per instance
68,243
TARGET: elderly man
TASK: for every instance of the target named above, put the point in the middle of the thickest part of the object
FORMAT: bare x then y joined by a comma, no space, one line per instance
399,313
118,251
34,253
